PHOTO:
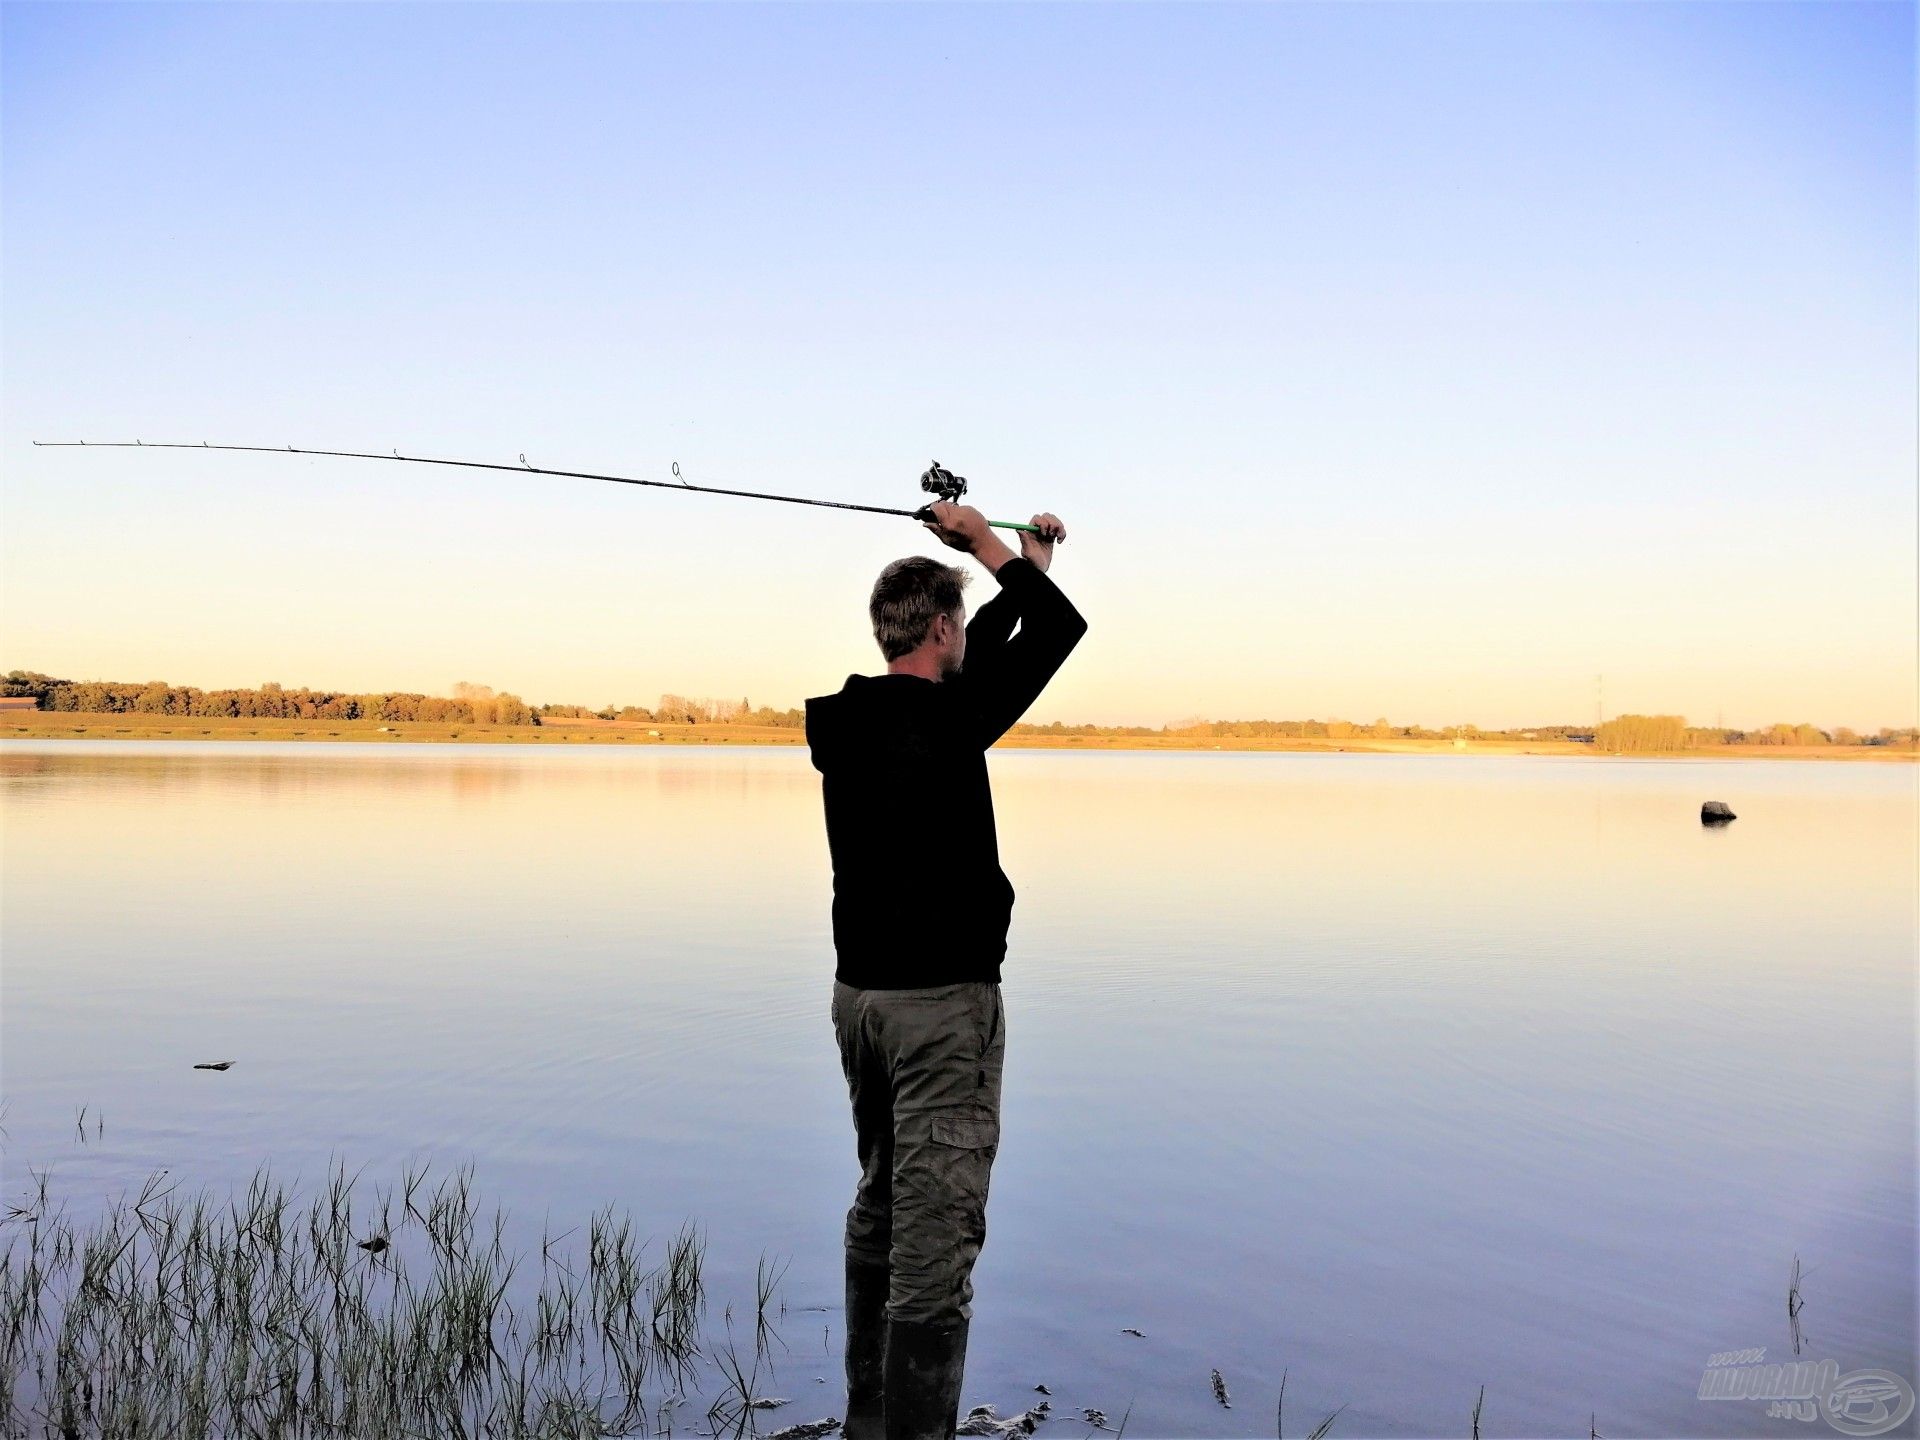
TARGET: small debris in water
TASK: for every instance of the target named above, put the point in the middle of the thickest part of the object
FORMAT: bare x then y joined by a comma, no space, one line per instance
1042,1390
985,1420
1220,1391
1095,1418
1129,1330
809,1431
767,1403
373,1246
216,1065
1716,812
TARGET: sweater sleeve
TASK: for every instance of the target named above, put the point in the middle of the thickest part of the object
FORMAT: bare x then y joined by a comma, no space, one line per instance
990,629
1007,675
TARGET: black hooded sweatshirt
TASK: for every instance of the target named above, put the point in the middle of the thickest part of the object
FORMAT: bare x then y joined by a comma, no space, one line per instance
909,812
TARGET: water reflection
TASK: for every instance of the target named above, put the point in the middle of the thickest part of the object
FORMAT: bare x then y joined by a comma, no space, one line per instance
1400,1073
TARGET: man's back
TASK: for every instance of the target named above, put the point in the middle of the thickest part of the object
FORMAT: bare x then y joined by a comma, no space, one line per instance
908,807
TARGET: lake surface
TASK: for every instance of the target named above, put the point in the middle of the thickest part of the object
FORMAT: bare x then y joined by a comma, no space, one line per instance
1403,1075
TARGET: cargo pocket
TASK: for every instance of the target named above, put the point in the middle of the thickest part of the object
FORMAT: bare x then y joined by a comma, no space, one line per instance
964,1144
966,1130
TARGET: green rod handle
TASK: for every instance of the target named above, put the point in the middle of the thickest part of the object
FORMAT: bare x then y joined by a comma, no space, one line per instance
1015,525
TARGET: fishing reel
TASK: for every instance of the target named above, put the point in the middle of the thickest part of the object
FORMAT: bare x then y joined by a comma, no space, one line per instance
942,482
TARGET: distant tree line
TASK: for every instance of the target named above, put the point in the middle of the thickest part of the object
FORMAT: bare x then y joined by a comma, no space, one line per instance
469,704
683,710
1622,735
480,705
1200,728
1656,734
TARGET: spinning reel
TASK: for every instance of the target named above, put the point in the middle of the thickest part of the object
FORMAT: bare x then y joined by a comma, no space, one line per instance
938,480
944,483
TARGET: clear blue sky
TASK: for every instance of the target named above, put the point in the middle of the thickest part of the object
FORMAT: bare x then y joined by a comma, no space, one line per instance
1409,360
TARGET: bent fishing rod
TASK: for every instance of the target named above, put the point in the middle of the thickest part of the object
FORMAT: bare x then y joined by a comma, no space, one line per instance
938,480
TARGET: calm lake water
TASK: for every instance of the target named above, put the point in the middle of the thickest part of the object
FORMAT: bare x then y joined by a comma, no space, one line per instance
1403,1075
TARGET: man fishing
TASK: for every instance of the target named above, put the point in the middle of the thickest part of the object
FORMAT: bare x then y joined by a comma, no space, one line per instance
920,912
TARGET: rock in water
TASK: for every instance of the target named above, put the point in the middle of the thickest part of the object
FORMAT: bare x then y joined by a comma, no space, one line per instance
1716,812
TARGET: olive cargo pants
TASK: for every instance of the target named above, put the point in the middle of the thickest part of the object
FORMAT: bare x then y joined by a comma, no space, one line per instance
923,1071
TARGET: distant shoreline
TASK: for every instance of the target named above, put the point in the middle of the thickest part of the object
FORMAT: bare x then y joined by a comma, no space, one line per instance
70,725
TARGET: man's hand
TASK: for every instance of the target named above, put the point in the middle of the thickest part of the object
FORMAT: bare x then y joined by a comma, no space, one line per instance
964,528
961,527
1039,548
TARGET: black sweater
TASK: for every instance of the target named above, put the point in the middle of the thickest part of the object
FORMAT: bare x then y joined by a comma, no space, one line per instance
918,894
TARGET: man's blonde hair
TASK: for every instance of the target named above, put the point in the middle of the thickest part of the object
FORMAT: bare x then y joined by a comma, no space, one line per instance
907,597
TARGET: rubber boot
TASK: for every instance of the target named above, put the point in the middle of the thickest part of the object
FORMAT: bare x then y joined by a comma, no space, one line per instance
866,1350
924,1367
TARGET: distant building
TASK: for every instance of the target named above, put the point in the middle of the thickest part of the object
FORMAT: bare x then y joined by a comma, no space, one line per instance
13,704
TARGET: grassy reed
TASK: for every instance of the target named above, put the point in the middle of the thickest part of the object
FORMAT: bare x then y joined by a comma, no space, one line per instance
390,1314
384,1312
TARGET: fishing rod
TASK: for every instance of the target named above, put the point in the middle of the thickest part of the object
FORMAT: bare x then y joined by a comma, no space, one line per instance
938,480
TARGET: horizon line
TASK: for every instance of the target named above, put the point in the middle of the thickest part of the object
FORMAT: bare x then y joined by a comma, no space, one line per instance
1169,723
